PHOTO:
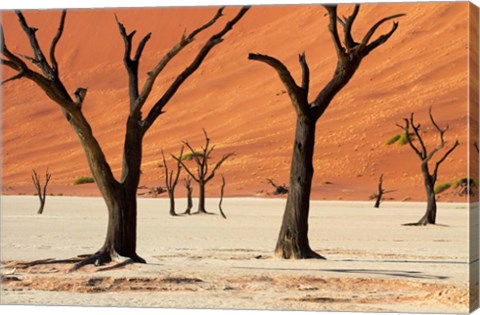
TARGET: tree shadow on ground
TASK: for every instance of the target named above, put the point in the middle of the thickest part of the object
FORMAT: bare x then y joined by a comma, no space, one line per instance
74,261
392,273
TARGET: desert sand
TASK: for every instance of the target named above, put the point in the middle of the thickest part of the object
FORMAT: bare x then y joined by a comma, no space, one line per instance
242,103
373,262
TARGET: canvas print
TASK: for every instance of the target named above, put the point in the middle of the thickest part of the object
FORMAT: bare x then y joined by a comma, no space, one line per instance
281,157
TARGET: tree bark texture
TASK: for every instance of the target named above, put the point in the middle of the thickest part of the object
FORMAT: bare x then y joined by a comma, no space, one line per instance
293,238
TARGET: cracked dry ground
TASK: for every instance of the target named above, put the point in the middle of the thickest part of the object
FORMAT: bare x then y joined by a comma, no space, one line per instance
164,286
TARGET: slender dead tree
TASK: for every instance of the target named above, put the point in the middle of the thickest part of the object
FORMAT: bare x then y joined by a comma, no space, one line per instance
221,198
187,182
119,194
381,192
425,157
41,191
171,181
203,176
293,237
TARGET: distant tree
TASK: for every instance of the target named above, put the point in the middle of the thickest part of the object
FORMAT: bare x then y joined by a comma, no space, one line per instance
429,177
379,195
222,188
41,191
120,195
293,237
187,182
279,189
203,175
171,180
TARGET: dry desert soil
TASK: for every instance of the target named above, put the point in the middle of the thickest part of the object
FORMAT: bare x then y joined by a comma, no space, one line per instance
373,262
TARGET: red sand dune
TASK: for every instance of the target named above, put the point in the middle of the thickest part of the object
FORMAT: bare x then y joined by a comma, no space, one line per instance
242,103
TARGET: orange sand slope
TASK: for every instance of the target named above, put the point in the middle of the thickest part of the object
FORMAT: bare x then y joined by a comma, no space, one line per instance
241,103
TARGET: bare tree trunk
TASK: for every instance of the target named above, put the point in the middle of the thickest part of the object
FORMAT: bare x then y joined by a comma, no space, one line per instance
293,238
188,186
430,215
171,196
121,231
201,197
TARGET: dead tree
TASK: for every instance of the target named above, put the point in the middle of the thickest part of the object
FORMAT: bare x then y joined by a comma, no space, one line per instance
380,193
119,194
171,181
221,198
279,190
41,191
293,237
187,182
429,177
203,176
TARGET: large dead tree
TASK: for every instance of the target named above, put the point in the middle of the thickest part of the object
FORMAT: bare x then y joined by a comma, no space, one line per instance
41,191
171,180
119,194
293,237
203,175
425,156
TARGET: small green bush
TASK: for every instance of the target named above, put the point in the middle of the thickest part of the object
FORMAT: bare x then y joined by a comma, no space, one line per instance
83,180
465,181
400,139
439,188
190,156
393,139
403,139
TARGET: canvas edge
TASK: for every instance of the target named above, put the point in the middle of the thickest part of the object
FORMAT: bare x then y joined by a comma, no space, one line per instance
473,93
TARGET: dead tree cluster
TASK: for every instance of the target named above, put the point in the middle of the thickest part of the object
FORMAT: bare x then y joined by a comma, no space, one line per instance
425,156
41,190
204,173
293,237
119,194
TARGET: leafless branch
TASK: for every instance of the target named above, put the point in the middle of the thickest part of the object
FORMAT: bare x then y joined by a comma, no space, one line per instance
292,88
372,30
332,27
187,72
55,41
